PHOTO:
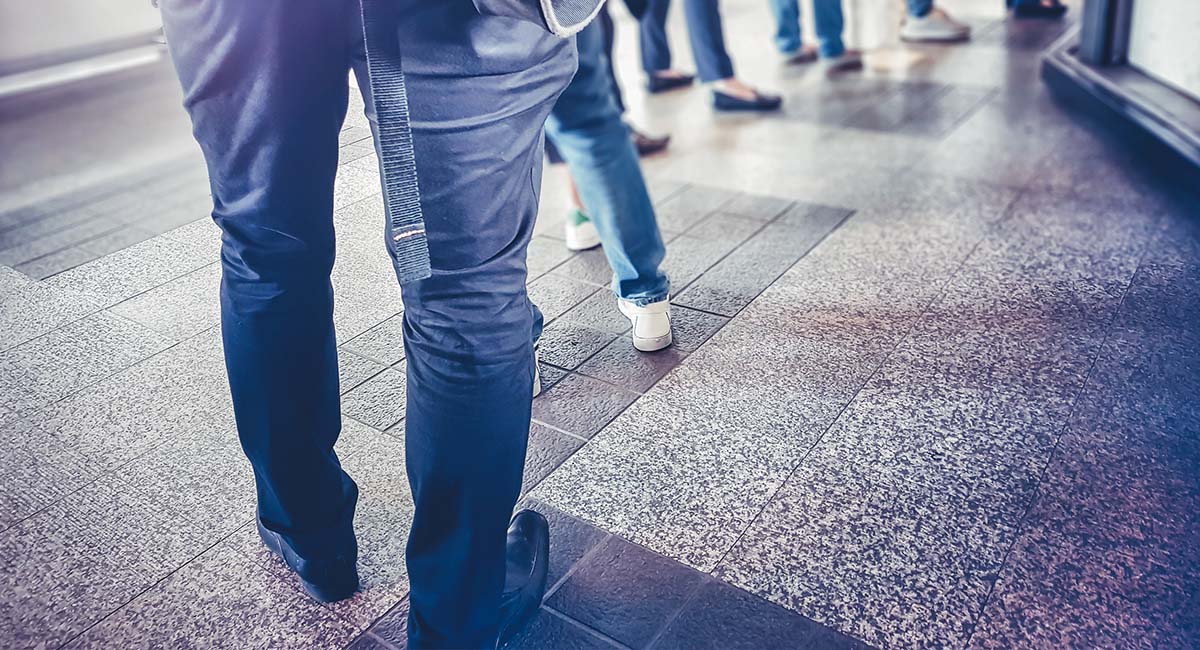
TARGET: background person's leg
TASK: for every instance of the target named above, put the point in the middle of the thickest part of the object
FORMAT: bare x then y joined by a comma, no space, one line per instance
587,130
656,49
829,24
919,8
787,25
609,30
468,327
265,85
708,39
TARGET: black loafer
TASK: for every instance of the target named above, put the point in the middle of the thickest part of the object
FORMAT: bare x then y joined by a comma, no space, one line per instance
1052,9
326,580
647,144
656,84
528,567
761,102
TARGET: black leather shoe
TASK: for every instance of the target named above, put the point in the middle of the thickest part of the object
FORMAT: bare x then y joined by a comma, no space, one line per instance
647,144
656,84
528,567
761,102
1040,9
326,580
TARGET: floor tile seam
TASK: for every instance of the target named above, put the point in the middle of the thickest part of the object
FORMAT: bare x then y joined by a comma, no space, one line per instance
591,552
558,430
705,580
762,226
72,244
93,310
150,587
346,391
555,272
883,358
992,91
584,627
1020,528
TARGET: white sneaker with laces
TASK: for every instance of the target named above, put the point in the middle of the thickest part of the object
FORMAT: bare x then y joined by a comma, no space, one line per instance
651,324
581,233
935,27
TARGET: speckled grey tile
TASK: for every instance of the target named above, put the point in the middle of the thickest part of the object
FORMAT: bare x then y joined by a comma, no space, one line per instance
687,257
383,343
84,557
201,236
29,309
756,206
353,370
551,375
180,308
692,328
662,189
620,364
727,227
553,630
555,294
56,262
36,471
589,266
545,253
599,311
566,344
626,592
737,279
219,597
53,366
721,616
356,181
547,450
379,401
133,411
124,274
688,206
581,405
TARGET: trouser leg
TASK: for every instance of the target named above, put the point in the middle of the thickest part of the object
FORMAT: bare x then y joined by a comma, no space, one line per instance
264,84
609,30
708,39
919,8
468,329
652,27
787,25
586,128
828,21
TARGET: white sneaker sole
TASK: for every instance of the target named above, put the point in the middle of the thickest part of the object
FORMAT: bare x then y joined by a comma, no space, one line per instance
582,239
654,344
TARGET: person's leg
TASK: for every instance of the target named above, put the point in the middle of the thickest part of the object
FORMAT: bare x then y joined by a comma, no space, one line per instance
656,50
829,24
787,25
265,85
919,8
708,40
586,128
469,327
609,30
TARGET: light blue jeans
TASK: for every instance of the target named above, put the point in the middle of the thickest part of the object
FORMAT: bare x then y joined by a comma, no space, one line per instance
829,25
919,8
585,126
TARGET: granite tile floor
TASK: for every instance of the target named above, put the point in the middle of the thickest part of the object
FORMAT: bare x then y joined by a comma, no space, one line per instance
934,383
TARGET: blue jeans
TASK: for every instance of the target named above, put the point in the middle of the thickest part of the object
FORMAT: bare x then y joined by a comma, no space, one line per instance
919,8
829,25
586,128
265,85
704,30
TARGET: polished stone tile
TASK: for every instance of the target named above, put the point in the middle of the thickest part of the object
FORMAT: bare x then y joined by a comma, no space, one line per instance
356,181
180,308
201,236
552,630
353,370
218,597
36,471
691,328
133,411
754,206
567,345
599,311
124,274
72,357
548,448
392,627
688,206
622,365
551,375
581,405
730,227
555,294
379,401
721,616
84,557
625,591
545,253
382,344
571,539
688,257
589,266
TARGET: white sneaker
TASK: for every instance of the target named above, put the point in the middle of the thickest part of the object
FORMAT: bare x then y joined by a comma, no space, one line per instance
651,324
581,232
934,27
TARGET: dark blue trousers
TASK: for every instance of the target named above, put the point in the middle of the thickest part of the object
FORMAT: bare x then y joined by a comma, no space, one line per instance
705,30
265,83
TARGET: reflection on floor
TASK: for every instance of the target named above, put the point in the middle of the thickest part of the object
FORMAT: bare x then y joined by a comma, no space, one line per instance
933,385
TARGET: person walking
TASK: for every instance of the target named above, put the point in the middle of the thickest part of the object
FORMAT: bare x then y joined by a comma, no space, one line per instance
645,143
585,127
928,24
829,22
458,124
